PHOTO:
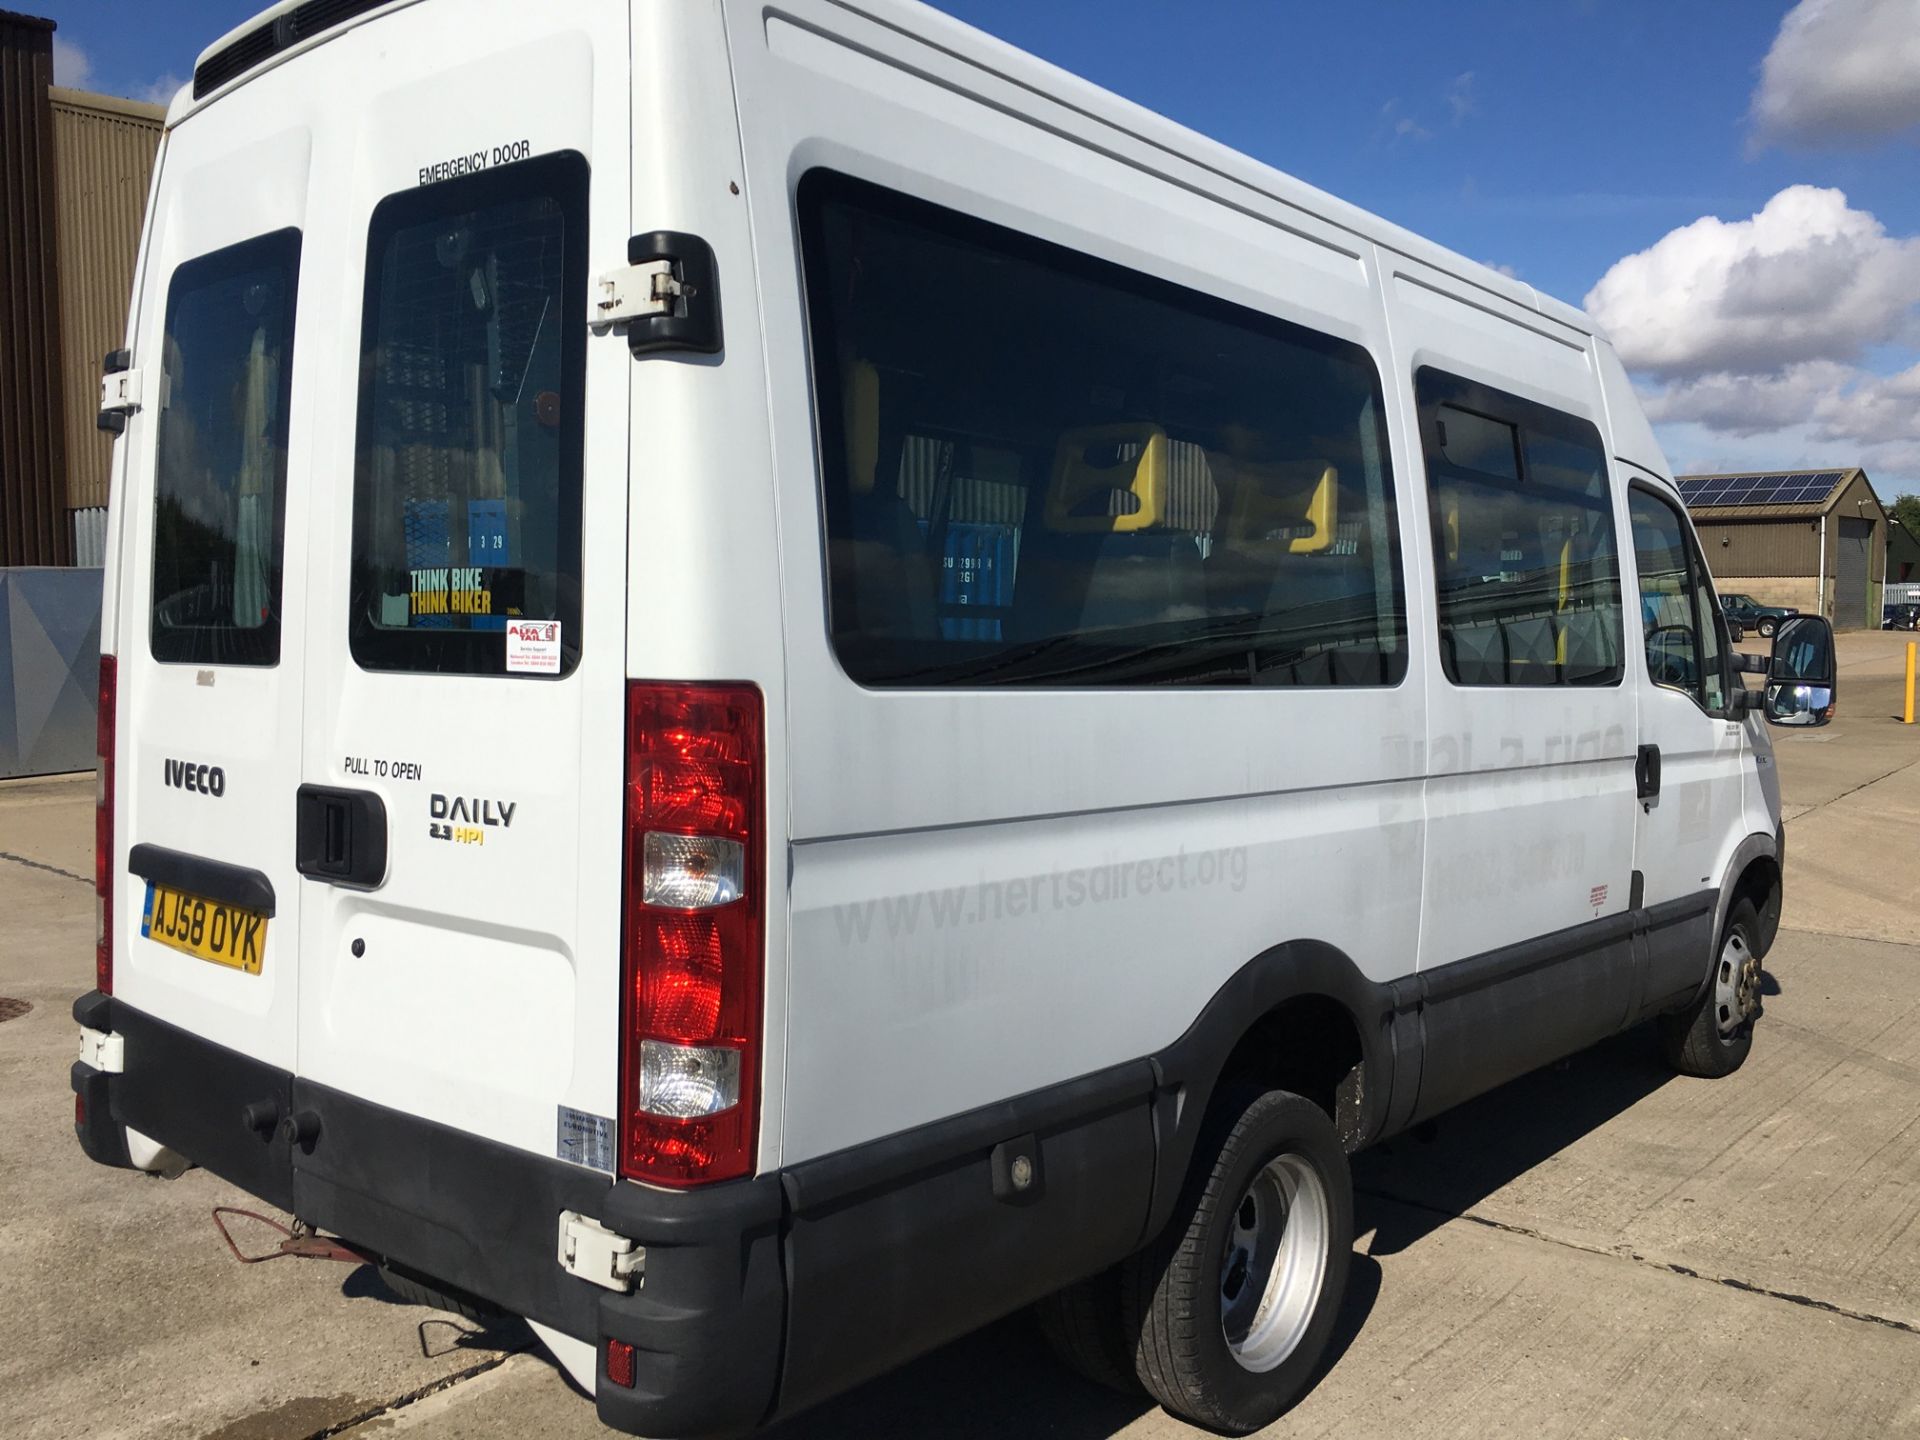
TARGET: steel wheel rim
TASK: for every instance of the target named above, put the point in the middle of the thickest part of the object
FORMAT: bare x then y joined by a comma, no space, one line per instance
1275,1262
1736,986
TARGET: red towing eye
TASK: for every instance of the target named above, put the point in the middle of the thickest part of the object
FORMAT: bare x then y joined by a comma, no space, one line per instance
299,1243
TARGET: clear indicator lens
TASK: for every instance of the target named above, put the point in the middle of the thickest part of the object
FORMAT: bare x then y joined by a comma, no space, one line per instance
688,1082
692,872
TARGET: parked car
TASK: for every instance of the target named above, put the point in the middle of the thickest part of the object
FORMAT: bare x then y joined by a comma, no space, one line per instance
1901,617
764,847
1764,619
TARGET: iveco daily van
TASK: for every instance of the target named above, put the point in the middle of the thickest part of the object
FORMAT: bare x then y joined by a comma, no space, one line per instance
776,680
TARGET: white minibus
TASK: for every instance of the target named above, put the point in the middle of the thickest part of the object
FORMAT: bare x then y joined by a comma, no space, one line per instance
775,681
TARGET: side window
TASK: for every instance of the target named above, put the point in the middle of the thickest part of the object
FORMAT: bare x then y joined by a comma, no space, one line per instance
1677,606
1523,539
466,501
220,474
1040,469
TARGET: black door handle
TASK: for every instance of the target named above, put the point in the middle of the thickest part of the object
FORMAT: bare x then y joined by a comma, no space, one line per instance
1646,772
340,836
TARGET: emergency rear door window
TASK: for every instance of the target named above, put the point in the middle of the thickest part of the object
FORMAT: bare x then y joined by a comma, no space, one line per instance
220,477
466,556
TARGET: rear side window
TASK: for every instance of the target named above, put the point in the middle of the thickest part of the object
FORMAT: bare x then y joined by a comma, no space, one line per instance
1040,469
466,508
220,474
1523,538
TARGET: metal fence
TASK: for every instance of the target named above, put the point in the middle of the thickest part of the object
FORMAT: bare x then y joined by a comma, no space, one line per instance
49,670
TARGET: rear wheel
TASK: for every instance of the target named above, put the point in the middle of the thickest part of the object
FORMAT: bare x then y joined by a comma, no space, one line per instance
1231,1308
1082,1327
1714,1037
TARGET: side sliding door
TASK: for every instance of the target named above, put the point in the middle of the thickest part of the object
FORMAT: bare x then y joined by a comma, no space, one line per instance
1526,929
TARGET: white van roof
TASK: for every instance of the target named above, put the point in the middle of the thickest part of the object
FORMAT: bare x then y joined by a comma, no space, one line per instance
1230,167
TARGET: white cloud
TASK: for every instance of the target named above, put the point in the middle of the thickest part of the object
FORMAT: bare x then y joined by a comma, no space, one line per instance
1819,413
1748,405
1841,71
1763,342
161,91
71,67
1394,126
1461,101
1807,278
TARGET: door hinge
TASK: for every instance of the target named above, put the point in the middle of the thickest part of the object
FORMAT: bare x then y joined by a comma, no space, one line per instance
593,1252
666,297
119,397
104,1051
650,288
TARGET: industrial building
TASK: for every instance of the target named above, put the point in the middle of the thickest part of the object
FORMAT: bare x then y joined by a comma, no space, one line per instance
74,173
1812,539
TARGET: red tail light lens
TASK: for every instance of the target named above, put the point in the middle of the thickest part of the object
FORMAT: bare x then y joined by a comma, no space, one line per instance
104,726
691,973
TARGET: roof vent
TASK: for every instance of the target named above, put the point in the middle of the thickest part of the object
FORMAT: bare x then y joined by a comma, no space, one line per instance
264,41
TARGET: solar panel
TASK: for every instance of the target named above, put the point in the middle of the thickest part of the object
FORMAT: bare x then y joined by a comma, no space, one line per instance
1798,487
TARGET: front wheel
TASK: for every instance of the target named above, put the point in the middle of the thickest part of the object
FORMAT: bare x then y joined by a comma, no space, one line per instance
1230,1310
1714,1037
1765,627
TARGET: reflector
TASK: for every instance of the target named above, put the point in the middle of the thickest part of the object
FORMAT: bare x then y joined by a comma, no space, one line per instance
620,1364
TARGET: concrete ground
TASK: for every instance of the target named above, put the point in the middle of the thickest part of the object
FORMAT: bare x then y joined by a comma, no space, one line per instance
1598,1250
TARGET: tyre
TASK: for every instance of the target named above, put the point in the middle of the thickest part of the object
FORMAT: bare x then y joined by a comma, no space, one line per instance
1765,627
1713,1036
1083,1329
1230,1309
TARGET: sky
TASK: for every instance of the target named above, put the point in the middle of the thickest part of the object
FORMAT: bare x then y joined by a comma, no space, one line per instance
1730,187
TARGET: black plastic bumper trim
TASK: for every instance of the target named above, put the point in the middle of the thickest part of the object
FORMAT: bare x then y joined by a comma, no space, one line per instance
708,1320
100,1136
816,1185
209,879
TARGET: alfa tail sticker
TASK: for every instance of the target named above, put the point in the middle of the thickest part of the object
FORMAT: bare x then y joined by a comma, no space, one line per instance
533,647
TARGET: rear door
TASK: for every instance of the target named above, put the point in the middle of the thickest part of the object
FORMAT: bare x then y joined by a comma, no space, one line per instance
213,595
465,664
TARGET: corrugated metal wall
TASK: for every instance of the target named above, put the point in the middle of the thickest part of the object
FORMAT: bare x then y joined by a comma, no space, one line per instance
33,511
1761,547
103,158
90,536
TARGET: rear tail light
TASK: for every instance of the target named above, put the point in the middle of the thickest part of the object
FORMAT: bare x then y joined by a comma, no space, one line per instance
692,952
103,827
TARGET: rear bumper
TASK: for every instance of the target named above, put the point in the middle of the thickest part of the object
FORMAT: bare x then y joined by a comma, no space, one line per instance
760,1296
707,1324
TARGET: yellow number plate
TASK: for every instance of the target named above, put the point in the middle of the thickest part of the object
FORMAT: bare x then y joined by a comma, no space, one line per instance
206,929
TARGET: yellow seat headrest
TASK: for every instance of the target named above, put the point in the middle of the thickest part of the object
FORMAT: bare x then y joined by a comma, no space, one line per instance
1108,479
1263,497
862,420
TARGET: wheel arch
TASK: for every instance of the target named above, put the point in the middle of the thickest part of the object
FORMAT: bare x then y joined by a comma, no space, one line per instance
1756,873
1300,1016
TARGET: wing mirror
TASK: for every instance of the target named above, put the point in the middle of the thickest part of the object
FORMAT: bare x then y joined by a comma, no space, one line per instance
1801,676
